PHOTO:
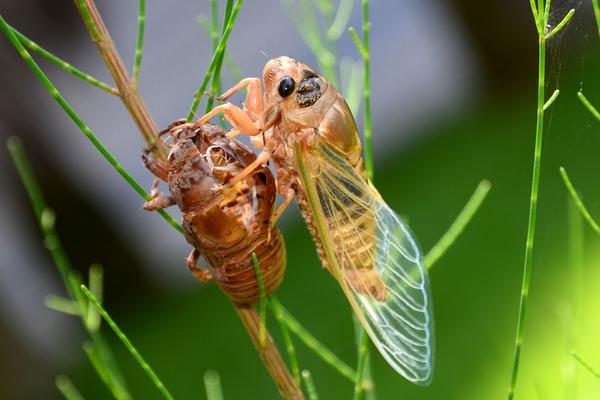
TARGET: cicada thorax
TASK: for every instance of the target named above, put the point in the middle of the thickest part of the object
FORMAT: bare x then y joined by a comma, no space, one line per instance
227,224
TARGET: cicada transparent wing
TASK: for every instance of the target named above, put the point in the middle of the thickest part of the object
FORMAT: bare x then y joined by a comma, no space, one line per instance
375,258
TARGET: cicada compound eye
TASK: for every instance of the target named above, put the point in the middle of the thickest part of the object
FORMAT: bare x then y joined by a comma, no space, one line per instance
286,86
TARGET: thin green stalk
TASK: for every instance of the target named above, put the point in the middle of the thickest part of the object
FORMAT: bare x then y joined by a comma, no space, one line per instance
139,45
578,202
96,359
311,389
214,23
586,365
597,14
215,87
216,58
234,70
541,18
262,304
78,121
366,25
36,48
87,20
212,384
459,224
287,340
576,251
67,389
313,343
307,27
361,364
44,215
96,278
561,24
552,99
532,213
588,105
136,355
342,16
46,221
62,305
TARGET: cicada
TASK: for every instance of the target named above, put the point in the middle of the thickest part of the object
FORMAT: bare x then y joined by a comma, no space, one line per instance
224,223
305,126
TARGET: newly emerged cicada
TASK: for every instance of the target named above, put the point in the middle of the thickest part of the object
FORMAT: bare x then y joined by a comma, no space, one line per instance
224,222
306,127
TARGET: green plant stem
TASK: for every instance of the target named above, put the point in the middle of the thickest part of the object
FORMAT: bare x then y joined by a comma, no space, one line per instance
215,86
62,305
212,384
216,58
96,278
96,359
67,389
578,202
129,93
46,219
44,215
313,343
342,16
586,365
541,14
459,224
597,14
79,122
532,219
139,45
588,105
36,48
307,27
285,333
311,389
136,355
262,304
363,343
363,49
552,99
561,24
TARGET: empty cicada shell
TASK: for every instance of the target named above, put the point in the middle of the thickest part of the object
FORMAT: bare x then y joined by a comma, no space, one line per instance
225,223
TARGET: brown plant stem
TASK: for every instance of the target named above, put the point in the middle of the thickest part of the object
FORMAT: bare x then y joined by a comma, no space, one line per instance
134,103
128,91
271,358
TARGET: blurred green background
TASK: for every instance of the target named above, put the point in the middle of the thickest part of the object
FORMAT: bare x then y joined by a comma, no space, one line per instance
185,332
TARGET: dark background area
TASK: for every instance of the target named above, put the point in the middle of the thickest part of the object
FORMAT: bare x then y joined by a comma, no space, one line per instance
184,329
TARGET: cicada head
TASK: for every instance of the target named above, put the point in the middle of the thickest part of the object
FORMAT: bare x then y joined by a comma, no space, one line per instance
292,87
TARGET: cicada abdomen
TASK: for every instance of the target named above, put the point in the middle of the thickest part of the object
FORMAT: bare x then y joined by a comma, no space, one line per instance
224,222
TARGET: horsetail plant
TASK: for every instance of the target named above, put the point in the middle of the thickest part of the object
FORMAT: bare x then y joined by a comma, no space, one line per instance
541,13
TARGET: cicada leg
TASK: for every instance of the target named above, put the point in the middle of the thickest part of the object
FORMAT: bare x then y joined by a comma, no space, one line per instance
247,120
159,168
284,189
253,102
157,200
191,261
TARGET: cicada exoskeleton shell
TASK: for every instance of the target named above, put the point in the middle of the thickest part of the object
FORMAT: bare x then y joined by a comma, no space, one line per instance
225,223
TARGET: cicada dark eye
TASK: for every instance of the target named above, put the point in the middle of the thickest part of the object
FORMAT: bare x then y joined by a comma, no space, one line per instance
286,86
